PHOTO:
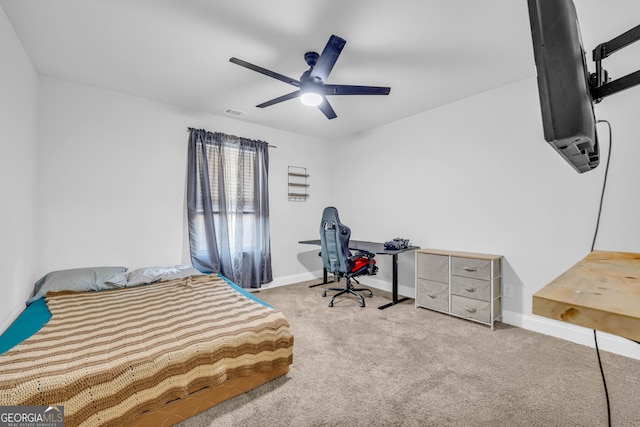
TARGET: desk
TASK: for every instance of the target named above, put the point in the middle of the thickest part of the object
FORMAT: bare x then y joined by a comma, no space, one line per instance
601,292
378,249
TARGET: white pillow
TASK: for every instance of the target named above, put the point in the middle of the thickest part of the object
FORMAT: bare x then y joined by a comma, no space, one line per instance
146,275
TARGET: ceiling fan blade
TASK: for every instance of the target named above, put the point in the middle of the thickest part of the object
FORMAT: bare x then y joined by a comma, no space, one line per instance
328,58
325,107
279,99
266,72
355,90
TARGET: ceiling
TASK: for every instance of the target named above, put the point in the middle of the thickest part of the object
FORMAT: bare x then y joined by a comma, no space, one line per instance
430,52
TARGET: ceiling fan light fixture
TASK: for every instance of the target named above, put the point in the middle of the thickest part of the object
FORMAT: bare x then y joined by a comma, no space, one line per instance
312,99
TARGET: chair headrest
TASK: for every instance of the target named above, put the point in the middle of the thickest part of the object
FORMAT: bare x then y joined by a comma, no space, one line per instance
330,214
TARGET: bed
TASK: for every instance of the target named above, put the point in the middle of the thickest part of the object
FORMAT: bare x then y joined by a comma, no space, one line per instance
153,353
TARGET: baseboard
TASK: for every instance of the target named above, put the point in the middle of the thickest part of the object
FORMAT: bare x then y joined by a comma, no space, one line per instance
575,334
404,291
294,278
562,330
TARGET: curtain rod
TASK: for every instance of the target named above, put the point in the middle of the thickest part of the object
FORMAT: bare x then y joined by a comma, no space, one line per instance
268,145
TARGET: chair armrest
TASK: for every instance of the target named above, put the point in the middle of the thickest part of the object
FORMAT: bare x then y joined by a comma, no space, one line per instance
363,253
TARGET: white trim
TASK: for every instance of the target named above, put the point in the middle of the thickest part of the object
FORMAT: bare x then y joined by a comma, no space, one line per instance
403,290
294,278
561,330
575,334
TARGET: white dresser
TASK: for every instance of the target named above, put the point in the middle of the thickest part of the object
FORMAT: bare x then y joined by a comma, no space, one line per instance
463,284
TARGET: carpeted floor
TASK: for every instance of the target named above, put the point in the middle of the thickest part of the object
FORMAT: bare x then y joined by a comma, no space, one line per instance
405,366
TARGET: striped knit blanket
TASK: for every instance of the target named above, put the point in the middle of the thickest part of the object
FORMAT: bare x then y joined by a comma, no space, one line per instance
109,356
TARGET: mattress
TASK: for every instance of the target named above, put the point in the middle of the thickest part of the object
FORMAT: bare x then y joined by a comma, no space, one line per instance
37,314
108,357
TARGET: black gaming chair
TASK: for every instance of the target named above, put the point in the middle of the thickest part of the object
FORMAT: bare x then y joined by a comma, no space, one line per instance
337,258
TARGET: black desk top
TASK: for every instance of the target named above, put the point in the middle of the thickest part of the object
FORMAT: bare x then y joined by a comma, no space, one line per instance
359,245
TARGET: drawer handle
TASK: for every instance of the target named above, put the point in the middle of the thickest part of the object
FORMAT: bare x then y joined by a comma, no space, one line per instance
470,310
432,296
471,290
471,268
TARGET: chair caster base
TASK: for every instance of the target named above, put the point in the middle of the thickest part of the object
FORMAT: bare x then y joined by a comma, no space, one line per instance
349,289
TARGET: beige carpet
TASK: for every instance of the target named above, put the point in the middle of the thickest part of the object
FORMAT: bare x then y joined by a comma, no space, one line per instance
405,366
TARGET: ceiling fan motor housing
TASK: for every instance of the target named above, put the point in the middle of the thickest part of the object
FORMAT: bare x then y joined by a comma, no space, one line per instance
311,58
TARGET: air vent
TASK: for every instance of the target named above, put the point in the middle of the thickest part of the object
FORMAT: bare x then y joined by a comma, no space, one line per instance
234,113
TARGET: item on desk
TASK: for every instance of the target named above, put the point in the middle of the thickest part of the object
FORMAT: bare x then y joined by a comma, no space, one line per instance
397,243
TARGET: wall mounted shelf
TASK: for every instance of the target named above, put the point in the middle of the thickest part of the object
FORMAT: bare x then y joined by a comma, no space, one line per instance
298,184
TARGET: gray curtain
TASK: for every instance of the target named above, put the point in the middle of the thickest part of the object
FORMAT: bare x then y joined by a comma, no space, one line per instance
228,207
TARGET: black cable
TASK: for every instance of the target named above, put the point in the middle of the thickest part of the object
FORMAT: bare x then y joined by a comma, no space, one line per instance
604,185
604,381
593,244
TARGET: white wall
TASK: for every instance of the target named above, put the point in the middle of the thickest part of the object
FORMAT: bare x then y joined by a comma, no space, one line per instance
18,109
113,174
478,176
102,181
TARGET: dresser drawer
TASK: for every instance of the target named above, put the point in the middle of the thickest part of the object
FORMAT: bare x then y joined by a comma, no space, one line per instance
471,308
471,288
434,295
471,267
433,267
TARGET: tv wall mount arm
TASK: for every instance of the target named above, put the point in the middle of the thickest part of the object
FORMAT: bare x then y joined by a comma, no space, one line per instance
599,83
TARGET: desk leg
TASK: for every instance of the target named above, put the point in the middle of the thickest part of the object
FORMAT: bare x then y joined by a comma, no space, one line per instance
325,279
395,299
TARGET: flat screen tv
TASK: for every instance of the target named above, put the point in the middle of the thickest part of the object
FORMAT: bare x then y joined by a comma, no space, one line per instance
563,82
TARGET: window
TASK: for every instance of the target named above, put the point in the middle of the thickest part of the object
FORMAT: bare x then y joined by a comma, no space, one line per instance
228,207
231,186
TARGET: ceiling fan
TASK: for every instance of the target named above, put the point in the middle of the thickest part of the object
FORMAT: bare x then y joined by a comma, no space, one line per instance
312,85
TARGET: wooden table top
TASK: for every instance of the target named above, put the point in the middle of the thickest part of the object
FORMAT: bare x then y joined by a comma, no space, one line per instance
600,292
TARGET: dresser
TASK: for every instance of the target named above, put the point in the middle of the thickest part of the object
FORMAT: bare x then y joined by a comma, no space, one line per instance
462,284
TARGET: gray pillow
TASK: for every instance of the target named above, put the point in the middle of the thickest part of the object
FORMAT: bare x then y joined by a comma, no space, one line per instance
80,279
146,275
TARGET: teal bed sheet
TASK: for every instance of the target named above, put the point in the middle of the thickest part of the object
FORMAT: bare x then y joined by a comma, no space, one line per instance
30,321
